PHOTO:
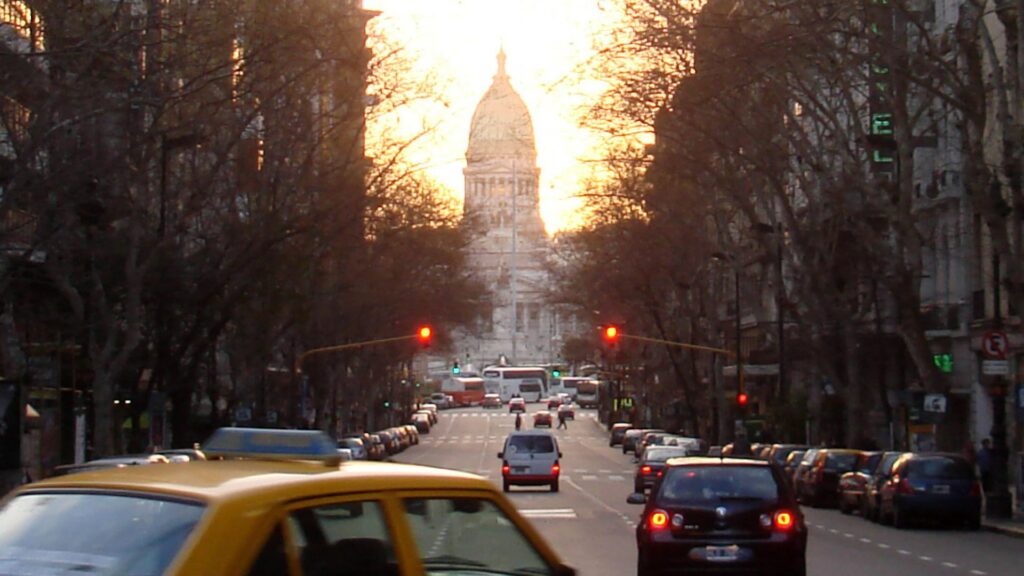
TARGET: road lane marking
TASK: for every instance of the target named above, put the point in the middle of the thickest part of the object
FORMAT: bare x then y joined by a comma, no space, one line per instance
565,513
979,572
615,477
884,546
604,471
904,552
588,477
601,503
949,565
848,535
926,558
866,540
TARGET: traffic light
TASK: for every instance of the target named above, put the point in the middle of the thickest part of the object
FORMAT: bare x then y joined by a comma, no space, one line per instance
742,399
424,335
611,334
556,373
455,367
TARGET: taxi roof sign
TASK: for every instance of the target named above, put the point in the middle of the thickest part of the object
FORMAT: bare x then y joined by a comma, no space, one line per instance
272,444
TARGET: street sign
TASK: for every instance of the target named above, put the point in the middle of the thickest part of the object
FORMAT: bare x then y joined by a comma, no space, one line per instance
995,345
935,403
995,367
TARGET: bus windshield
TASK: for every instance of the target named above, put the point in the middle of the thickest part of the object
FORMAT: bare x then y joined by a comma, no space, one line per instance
586,387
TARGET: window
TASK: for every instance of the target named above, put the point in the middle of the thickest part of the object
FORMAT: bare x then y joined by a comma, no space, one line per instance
530,444
718,483
472,535
343,539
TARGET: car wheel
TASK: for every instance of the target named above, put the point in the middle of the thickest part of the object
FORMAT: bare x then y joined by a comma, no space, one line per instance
554,486
504,486
643,567
799,569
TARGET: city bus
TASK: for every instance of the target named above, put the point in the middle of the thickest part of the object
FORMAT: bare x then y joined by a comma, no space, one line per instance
464,391
588,393
568,385
528,382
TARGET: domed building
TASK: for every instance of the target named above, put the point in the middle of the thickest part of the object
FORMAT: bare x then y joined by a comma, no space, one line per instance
510,248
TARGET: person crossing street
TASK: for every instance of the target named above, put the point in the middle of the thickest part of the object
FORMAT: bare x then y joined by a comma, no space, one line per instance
562,421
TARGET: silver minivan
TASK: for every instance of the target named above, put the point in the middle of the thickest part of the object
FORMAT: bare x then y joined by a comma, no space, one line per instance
530,458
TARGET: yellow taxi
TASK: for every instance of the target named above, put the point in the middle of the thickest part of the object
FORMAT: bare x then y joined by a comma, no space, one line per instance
269,503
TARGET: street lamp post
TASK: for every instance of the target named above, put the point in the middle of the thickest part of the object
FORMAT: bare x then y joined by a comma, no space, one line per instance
999,503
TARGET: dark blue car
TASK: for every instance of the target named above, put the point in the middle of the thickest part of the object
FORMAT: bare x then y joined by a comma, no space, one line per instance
934,486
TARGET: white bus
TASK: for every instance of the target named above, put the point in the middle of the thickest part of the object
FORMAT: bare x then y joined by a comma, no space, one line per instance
464,391
528,382
568,384
588,393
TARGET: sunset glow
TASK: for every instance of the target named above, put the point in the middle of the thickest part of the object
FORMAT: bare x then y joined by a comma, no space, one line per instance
457,41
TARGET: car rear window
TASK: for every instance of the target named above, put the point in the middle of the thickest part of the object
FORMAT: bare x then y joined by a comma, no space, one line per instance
843,461
96,533
663,454
530,444
939,468
687,484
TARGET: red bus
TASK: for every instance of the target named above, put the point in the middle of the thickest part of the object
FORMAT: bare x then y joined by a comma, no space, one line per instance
465,391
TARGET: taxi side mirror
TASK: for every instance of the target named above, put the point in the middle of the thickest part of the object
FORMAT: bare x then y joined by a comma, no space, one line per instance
636,498
559,454
501,454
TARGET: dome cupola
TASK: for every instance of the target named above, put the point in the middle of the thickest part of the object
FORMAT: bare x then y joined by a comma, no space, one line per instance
501,126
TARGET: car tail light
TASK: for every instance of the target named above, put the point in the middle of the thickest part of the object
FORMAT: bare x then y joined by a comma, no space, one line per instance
645,470
975,489
904,487
784,520
658,519
504,468
555,468
660,473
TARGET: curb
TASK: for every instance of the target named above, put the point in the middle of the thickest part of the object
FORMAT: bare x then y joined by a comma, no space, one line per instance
1012,531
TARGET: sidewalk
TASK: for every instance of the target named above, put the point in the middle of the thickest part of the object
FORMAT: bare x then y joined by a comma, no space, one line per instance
1014,527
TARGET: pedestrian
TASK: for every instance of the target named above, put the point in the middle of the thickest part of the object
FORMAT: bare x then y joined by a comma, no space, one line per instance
561,420
519,420
984,460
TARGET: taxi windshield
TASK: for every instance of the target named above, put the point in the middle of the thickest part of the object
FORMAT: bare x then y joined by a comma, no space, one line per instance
93,533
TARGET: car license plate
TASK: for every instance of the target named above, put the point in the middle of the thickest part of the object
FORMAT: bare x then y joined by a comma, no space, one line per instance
722,553
940,489
520,469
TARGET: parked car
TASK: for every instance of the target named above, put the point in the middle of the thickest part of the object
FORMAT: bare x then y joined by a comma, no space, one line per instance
541,418
617,432
440,399
491,401
431,409
792,462
355,446
630,439
852,484
650,467
723,516
819,486
874,483
778,453
375,449
803,467
935,486
645,439
530,458
430,416
422,422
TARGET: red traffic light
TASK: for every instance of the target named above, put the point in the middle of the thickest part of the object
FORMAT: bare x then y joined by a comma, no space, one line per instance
611,332
741,399
424,334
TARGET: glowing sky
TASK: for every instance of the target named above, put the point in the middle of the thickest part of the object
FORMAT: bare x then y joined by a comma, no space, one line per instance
458,40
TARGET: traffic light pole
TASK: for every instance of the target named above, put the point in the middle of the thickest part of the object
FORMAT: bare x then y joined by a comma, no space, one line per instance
301,358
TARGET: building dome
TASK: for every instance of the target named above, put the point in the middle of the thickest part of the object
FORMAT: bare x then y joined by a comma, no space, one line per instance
501,126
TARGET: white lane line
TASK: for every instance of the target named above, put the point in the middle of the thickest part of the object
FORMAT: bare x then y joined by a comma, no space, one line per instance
904,552
949,565
615,477
847,534
926,558
884,546
588,477
604,471
565,513
979,572
866,540
602,504
833,530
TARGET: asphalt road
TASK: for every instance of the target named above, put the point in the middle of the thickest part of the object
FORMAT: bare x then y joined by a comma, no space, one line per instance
590,525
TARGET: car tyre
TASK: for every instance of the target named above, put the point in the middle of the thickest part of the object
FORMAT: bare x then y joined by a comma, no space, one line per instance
643,567
505,486
974,521
799,569
554,486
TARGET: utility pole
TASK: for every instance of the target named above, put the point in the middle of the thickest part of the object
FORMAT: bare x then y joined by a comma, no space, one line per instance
999,503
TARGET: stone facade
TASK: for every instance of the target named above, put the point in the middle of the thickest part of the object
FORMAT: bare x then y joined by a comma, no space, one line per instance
510,250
